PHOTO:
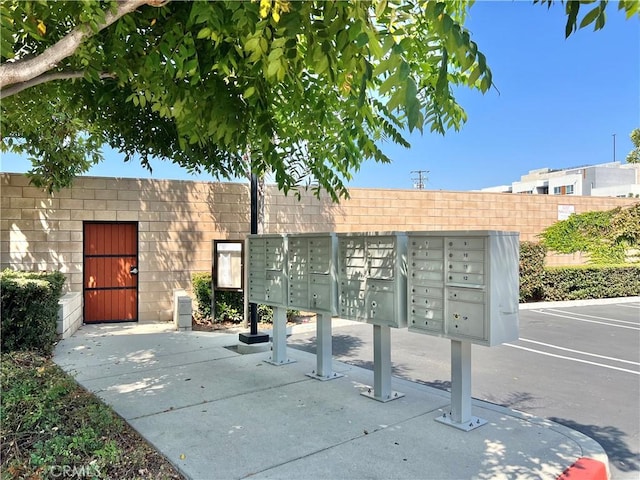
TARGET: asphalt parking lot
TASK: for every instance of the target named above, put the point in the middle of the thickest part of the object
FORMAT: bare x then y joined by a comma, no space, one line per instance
576,365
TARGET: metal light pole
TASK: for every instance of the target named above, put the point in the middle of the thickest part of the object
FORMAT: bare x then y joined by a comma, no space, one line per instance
253,336
614,147
253,308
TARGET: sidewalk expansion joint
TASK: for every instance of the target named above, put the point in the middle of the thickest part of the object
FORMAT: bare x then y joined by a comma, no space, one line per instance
215,400
151,369
366,433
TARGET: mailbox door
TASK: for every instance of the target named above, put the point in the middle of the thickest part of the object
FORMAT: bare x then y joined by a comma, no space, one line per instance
320,297
429,319
465,319
274,288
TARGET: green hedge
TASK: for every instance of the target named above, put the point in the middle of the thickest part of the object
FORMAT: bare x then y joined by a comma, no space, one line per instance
591,281
531,271
30,310
229,305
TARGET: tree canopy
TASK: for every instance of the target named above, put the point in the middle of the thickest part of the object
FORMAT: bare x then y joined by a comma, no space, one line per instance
634,155
304,89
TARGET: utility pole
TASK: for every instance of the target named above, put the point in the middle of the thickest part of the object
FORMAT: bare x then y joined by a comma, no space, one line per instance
420,180
614,147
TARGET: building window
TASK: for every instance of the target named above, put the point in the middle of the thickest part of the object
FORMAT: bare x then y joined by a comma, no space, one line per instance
563,190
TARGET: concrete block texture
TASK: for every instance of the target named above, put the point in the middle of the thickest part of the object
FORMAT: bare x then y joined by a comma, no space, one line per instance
179,219
69,314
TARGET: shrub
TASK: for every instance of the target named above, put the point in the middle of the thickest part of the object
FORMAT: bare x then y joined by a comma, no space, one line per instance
229,305
265,314
531,271
591,281
201,284
30,310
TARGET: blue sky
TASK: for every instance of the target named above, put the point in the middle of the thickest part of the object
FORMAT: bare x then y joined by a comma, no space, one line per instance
558,103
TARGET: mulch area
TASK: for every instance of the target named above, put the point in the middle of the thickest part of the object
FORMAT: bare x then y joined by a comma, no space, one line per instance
204,325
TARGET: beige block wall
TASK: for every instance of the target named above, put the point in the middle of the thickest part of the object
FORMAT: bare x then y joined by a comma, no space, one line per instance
177,220
413,210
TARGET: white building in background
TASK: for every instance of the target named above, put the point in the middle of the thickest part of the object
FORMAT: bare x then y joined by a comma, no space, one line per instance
605,180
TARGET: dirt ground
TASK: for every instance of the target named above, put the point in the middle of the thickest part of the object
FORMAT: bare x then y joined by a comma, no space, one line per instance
201,325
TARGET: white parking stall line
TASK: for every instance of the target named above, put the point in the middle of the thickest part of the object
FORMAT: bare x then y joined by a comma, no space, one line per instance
629,305
579,352
610,367
543,312
594,316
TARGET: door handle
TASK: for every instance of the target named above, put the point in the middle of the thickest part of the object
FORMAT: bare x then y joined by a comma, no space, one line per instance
133,270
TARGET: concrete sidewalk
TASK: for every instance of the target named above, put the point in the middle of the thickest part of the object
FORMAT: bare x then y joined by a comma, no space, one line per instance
217,414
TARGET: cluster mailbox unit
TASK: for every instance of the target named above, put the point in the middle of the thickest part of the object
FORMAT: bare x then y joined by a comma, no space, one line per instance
464,285
312,272
372,278
312,263
267,269
459,285
267,284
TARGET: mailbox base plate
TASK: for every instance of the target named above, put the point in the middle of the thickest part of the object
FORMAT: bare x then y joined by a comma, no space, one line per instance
324,378
393,395
250,339
471,424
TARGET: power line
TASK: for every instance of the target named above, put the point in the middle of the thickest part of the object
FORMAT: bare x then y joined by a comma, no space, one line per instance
420,180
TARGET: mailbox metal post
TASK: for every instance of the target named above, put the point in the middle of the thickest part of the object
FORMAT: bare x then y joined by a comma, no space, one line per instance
279,342
324,349
382,366
460,415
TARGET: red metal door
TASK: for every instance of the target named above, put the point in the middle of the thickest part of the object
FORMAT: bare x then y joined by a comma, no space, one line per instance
110,272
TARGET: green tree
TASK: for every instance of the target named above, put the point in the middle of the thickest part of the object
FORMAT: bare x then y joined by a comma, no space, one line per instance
634,155
304,89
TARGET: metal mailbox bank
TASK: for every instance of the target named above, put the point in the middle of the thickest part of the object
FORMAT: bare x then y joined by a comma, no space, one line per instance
372,278
464,286
312,263
267,269
372,288
312,272
267,284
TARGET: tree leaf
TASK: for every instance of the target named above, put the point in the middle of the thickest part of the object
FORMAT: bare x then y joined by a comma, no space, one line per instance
204,33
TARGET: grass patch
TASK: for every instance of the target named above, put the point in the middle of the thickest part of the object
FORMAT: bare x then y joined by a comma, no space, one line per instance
52,427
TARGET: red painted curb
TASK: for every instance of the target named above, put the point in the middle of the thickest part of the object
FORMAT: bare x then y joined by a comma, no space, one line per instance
585,469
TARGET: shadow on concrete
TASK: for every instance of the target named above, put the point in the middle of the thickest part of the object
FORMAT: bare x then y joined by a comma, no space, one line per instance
612,440
341,345
523,401
444,385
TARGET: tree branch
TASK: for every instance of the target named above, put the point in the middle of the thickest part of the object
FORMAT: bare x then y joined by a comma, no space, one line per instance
44,78
22,71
